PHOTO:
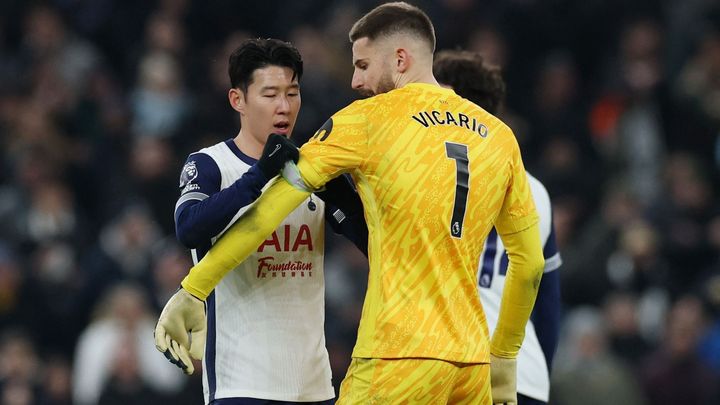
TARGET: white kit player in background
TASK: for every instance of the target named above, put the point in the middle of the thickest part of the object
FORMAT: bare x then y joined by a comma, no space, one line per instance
472,78
265,320
537,350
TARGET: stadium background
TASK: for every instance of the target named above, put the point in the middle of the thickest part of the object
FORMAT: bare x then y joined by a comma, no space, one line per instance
616,105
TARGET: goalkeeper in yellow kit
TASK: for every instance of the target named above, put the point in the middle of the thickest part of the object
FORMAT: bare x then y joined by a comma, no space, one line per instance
435,173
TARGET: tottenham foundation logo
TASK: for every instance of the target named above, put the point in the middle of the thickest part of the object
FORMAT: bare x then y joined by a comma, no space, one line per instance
268,268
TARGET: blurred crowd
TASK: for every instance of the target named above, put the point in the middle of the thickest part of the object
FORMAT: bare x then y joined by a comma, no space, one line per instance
616,105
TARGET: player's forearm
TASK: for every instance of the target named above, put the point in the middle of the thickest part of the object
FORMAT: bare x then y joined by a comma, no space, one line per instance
243,238
521,287
196,222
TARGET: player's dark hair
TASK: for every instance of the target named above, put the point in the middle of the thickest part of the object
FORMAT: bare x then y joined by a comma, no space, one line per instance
393,18
471,78
258,53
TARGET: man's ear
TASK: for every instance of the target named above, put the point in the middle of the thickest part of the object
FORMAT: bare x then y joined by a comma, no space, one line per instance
237,100
402,60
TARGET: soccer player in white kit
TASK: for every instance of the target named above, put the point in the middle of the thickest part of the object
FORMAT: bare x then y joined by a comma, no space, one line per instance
470,78
265,339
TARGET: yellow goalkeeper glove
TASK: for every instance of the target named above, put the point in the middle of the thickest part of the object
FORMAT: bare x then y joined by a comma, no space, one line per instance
503,377
181,330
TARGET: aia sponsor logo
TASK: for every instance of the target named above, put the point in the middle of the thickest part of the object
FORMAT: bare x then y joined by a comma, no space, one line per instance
290,241
286,239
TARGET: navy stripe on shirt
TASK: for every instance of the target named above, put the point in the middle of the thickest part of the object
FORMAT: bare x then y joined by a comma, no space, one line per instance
550,249
211,342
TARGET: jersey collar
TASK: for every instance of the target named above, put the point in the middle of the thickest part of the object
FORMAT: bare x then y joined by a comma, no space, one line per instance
245,158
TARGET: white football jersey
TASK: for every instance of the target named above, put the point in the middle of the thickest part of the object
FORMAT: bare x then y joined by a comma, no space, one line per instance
266,317
533,378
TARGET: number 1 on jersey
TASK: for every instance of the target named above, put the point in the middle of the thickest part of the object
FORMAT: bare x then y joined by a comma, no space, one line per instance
459,153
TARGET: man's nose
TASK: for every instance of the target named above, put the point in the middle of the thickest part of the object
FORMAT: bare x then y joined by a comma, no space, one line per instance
283,105
357,82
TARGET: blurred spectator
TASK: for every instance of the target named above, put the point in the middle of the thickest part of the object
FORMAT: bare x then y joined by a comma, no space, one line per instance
160,103
321,95
674,374
709,346
54,287
165,31
170,265
699,86
624,338
585,371
125,385
20,361
490,43
154,177
57,385
15,308
682,218
122,253
48,42
116,352
586,282
19,370
51,214
211,122
639,140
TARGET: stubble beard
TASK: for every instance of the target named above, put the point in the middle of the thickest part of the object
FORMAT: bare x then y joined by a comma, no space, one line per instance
385,84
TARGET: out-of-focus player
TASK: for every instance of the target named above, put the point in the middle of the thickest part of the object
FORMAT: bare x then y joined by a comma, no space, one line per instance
265,319
435,173
469,77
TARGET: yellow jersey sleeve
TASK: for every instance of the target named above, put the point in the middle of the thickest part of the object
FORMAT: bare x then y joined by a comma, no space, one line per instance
518,210
244,236
337,147
525,269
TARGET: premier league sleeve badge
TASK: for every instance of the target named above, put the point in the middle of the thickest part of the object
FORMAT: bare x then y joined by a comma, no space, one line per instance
188,175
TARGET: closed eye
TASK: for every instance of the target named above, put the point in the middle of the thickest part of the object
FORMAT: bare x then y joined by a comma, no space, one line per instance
361,64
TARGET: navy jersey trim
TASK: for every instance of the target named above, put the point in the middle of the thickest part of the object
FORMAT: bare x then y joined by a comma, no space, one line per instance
211,338
488,259
210,347
234,148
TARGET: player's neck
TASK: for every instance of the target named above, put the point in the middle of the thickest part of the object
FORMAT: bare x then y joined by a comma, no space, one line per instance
248,145
416,77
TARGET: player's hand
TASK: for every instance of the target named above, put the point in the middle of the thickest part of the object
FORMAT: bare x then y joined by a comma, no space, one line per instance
503,380
278,150
181,330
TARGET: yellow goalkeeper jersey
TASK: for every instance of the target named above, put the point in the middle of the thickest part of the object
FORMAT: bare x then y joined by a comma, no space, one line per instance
435,172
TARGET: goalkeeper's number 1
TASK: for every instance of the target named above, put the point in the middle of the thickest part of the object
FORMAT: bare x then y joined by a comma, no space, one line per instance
459,153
